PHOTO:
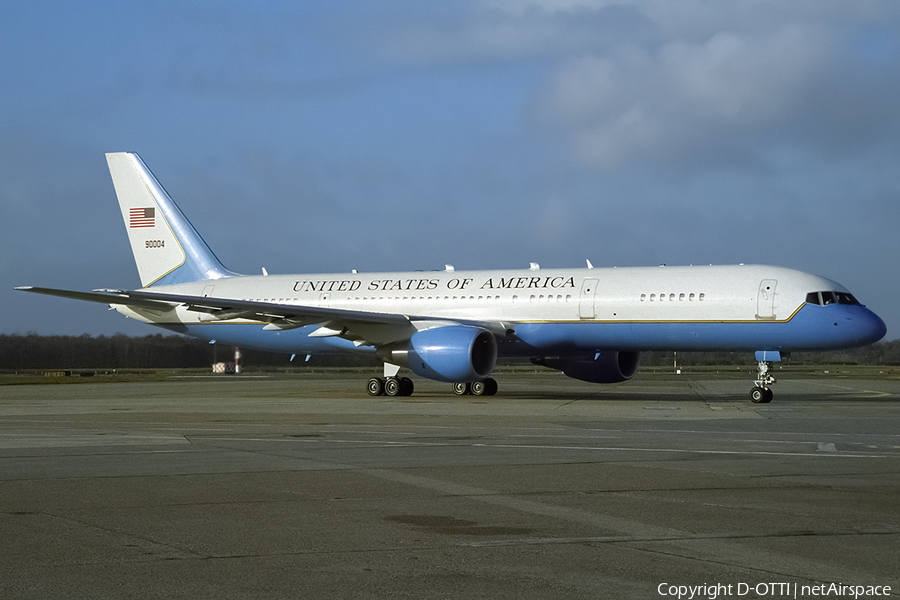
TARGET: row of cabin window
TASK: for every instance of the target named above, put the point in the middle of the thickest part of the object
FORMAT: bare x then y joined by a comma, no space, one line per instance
489,299
672,297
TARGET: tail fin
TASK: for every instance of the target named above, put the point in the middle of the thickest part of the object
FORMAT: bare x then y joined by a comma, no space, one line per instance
167,249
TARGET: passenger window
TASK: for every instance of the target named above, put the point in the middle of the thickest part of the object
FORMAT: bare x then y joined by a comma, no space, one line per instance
643,297
702,296
681,297
652,297
691,297
671,297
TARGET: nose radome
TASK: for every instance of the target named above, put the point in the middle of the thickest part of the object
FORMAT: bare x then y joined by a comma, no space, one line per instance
870,328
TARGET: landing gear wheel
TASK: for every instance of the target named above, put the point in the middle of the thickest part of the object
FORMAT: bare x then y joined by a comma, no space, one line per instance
490,386
476,388
406,386
461,389
392,386
761,395
375,386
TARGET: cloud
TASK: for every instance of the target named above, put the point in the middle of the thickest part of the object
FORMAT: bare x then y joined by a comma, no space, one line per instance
685,101
496,32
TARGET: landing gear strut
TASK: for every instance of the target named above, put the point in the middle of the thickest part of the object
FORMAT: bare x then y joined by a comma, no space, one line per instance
762,394
485,387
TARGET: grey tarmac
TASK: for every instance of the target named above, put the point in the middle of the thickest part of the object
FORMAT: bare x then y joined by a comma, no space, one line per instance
302,486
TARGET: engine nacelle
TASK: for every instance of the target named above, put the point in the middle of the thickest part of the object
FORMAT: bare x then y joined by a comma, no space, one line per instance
455,353
604,367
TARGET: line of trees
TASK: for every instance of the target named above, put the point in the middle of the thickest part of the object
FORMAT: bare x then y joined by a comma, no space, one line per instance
880,353
27,352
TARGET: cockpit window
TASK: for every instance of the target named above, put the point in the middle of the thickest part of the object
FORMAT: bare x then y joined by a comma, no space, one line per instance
845,298
826,298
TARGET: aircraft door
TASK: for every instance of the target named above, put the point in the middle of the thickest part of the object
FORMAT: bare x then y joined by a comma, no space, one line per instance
765,299
586,300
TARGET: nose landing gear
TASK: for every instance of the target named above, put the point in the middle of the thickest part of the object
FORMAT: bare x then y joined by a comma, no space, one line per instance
762,394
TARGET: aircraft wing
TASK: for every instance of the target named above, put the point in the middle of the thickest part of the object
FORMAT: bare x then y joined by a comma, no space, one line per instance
285,314
361,327
102,296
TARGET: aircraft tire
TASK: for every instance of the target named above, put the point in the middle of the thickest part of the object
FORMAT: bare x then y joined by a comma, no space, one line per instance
476,388
375,386
392,387
760,395
490,386
406,386
461,389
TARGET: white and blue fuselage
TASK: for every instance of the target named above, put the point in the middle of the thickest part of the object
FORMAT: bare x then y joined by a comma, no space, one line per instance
557,311
452,325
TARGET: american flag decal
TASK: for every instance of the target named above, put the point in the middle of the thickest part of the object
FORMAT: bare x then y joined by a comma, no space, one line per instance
141,217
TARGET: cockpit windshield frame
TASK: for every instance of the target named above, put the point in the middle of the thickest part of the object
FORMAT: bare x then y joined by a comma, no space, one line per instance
826,298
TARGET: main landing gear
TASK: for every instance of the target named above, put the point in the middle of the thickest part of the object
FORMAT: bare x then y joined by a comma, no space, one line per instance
485,387
390,386
403,386
762,394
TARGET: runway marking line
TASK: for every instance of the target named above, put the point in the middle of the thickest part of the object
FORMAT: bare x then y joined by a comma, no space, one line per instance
387,443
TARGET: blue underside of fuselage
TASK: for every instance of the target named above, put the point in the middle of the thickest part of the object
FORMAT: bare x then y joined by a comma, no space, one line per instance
812,328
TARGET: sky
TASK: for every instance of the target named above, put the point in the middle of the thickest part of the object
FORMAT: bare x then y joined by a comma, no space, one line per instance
316,137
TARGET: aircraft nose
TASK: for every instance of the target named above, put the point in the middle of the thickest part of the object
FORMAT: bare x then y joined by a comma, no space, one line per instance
869,328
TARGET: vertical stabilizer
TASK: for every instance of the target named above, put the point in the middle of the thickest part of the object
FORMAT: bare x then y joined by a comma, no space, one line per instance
167,249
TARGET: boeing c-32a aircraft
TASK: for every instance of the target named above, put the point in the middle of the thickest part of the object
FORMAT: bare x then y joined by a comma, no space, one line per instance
451,326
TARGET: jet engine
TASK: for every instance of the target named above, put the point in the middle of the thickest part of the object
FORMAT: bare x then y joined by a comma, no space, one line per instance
454,353
603,367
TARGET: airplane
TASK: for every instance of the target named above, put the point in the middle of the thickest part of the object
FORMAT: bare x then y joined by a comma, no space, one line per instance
451,326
